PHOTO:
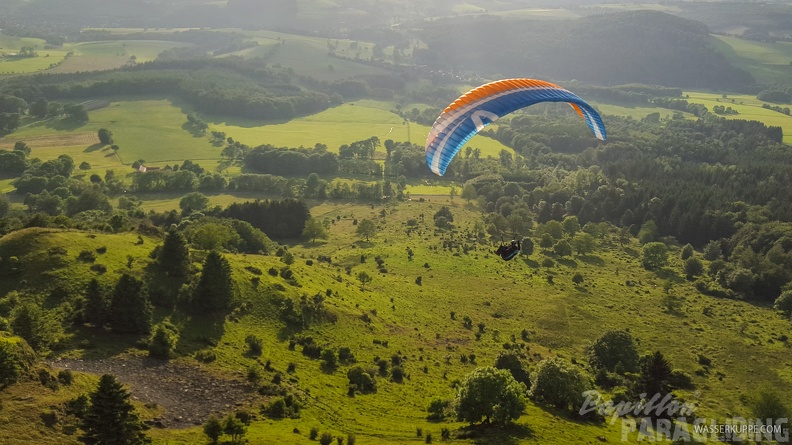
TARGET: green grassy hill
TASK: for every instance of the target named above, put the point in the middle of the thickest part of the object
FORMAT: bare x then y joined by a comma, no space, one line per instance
393,315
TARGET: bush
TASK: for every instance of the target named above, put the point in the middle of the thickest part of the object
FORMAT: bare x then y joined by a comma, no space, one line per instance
254,344
437,409
87,256
326,439
205,355
163,341
314,433
558,383
361,380
65,377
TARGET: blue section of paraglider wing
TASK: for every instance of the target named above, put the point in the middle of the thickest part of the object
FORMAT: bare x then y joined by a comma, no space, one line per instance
454,128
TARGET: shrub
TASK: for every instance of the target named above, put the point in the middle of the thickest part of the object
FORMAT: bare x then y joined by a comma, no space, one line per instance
205,355
419,432
428,438
254,344
361,380
351,439
314,433
437,409
65,377
87,256
163,341
326,439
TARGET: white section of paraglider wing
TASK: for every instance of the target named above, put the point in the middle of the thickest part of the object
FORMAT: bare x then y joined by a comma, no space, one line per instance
441,146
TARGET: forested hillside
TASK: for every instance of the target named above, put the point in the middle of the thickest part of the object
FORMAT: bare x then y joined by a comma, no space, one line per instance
646,47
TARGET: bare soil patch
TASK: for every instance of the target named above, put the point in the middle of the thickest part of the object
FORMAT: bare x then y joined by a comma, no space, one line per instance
188,394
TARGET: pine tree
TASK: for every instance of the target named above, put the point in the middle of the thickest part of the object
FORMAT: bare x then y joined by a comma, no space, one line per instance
96,304
111,418
213,292
130,310
174,258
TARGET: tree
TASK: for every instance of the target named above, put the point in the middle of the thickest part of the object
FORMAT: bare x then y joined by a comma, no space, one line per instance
96,304
39,328
614,350
193,202
469,192
366,228
492,394
562,248
571,225
693,267
111,419
443,218
364,278
557,383
686,252
105,136
213,429
655,375
214,291
174,257
713,251
583,243
511,362
130,310
164,340
648,233
234,427
527,246
655,255
784,303
768,405
9,364
314,229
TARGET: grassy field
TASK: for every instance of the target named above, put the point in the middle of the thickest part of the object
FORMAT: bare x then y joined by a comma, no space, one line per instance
766,61
340,125
149,129
309,55
46,59
562,319
749,107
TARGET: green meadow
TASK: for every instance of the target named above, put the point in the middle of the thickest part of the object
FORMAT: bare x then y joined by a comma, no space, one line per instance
148,129
749,107
337,126
416,320
768,62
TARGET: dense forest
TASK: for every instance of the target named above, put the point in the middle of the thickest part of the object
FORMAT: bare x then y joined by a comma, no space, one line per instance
607,50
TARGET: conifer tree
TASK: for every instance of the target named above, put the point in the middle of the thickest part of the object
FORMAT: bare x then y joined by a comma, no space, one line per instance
96,304
174,258
214,291
111,419
130,310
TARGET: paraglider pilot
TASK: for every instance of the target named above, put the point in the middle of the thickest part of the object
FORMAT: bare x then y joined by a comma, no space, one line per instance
508,251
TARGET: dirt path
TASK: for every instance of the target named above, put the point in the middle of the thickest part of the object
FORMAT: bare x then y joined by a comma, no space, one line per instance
188,394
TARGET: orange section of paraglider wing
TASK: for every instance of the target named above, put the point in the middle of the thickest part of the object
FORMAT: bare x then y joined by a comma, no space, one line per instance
577,108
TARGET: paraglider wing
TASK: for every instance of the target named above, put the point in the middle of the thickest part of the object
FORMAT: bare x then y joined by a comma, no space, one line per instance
479,107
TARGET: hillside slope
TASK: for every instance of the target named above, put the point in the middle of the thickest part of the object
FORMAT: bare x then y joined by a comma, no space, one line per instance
514,303
643,46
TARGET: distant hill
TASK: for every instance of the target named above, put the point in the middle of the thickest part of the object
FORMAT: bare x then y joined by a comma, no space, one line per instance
644,46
